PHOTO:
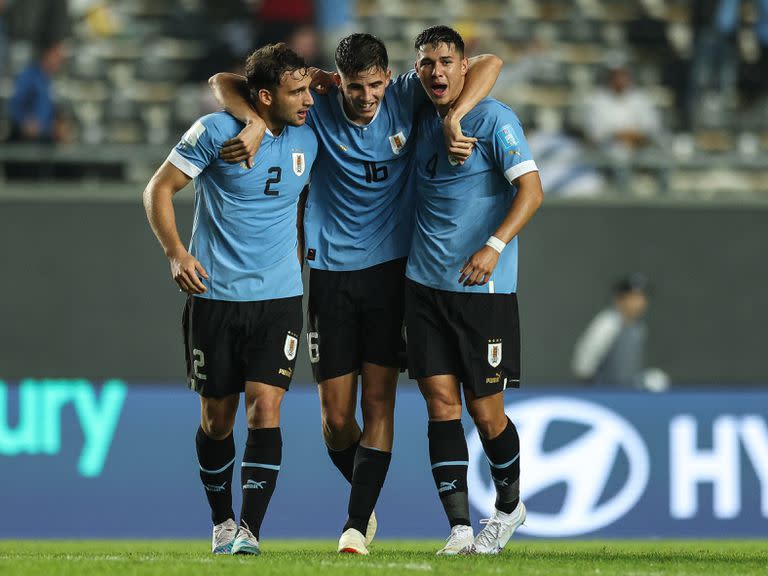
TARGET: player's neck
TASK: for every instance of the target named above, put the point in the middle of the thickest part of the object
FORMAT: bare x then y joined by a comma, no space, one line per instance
275,128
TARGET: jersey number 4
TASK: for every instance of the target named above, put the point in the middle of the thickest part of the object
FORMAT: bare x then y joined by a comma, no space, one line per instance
277,173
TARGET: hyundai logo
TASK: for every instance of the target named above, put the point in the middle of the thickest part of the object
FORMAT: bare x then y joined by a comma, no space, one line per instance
584,466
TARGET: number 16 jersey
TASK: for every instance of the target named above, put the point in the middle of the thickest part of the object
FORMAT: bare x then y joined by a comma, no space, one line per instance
244,230
359,211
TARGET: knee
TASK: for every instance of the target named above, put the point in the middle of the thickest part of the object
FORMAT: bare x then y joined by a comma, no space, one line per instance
336,421
489,425
264,411
443,407
216,428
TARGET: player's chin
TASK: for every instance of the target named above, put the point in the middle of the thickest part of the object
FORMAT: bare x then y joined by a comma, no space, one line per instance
299,119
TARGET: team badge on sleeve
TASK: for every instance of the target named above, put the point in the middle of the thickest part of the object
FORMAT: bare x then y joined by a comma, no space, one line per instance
291,344
397,142
192,135
506,136
494,353
298,163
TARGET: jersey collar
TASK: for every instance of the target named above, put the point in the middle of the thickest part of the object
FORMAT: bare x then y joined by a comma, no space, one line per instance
340,98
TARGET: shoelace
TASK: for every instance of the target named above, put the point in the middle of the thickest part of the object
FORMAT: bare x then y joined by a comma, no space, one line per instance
454,535
490,534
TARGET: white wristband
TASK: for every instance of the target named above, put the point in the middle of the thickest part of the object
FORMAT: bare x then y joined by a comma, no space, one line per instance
496,244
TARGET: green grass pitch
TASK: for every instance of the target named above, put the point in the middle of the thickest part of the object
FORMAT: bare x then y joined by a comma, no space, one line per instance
289,558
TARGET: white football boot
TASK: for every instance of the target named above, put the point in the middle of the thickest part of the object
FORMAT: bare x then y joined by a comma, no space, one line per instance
352,542
461,538
245,542
224,536
370,530
498,530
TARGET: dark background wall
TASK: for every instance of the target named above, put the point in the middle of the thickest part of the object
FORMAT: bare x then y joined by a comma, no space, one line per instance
86,290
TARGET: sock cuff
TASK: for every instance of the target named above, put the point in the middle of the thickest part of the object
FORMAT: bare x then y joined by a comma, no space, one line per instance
364,452
442,427
264,446
264,435
213,455
447,443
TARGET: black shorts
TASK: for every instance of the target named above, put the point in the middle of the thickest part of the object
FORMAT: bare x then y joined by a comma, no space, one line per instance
471,335
356,317
229,343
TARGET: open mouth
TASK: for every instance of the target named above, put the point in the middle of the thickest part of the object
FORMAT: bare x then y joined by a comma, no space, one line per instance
302,114
439,90
368,107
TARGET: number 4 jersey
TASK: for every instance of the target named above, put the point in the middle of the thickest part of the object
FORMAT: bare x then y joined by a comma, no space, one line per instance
244,230
459,206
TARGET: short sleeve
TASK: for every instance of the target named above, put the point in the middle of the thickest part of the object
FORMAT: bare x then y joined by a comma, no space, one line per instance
195,151
510,148
407,88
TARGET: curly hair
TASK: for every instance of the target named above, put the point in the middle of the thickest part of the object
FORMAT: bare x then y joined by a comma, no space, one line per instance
265,67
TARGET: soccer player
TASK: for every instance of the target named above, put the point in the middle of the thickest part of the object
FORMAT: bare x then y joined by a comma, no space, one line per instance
358,227
461,307
242,272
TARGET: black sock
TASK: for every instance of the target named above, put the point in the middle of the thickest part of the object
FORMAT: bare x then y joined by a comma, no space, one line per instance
216,459
261,463
344,460
371,468
503,454
449,457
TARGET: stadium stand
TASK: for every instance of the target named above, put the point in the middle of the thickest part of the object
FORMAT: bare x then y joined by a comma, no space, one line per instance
135,79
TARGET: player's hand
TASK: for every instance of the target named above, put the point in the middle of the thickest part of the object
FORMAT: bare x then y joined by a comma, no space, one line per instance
185,269
244,146
478,269
459,146
322,81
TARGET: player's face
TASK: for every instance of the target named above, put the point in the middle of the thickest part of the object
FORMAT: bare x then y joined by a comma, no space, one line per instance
441,70
292,98
364,92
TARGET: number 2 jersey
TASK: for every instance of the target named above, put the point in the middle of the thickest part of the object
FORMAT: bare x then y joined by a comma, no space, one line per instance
458,207
359,211
244,229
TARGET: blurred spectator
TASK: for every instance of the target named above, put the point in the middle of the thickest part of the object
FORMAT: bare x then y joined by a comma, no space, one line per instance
32,107
281,18
622,120
611,351
561,159
3,35
714,70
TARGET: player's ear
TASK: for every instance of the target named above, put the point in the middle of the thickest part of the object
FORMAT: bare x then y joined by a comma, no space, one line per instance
464,65
389,77
336,78
265,97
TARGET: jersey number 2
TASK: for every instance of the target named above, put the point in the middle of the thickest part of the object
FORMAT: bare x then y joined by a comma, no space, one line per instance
277,174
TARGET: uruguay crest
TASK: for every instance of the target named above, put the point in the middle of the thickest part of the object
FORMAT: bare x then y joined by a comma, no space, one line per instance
494,353
397,142
298,163
291,344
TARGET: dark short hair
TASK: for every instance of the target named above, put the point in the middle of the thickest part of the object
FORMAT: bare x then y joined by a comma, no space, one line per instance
360,52
265,67
635,282
436,35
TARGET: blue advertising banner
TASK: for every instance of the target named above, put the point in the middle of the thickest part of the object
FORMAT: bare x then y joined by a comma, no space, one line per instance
111,459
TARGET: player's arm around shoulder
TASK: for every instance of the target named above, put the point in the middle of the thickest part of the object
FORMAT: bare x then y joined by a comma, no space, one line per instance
482,73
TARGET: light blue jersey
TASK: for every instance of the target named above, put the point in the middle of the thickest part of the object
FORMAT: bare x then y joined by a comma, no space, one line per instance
244,231
458,207
359,211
